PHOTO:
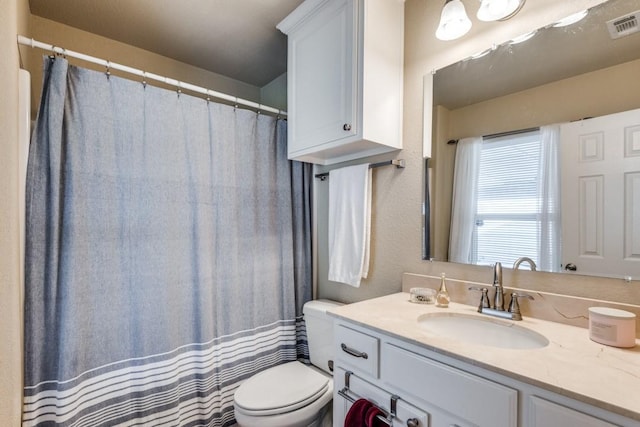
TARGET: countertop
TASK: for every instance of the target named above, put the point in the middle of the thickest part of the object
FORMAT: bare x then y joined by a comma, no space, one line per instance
571,365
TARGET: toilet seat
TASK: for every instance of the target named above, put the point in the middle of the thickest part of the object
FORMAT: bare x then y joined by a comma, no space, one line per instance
281,389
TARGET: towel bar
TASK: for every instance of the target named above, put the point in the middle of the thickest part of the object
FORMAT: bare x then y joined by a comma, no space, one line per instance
389,415
398,163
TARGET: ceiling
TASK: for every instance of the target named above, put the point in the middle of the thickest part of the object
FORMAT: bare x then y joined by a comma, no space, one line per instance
234,38
552,54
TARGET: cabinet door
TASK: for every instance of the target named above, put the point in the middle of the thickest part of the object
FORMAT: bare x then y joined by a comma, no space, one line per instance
321,77
465,399
360,388
547,414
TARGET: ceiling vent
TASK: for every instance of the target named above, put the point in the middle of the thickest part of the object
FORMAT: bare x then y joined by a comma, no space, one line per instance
624,25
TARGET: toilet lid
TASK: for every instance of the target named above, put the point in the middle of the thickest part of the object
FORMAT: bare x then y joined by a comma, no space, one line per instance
280,389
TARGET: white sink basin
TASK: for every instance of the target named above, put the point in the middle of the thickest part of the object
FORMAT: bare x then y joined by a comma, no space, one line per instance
481,331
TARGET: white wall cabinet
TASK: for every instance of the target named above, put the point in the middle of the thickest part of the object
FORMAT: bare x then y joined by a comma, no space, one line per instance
345,72
436,390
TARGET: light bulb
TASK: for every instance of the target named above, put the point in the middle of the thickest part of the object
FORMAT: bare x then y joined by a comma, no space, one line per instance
454,22
494,10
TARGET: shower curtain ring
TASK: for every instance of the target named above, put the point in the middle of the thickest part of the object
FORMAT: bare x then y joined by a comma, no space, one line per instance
144,79
179,91
53,52
208,95
108,72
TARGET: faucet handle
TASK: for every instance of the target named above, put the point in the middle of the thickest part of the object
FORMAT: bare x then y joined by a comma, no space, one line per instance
514,306
484,299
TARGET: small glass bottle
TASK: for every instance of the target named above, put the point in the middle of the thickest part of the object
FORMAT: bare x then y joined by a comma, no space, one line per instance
442,298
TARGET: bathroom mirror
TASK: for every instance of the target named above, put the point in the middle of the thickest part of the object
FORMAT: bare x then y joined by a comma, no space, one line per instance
510,78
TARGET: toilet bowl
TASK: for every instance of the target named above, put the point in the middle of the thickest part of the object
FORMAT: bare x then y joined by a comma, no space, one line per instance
289,395
293,394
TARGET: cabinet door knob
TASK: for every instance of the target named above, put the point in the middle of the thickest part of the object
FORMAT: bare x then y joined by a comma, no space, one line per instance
346,126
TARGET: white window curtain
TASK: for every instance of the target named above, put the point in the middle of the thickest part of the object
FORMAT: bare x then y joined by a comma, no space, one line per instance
464,202
549,194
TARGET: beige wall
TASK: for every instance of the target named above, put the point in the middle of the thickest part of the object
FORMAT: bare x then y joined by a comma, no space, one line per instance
77,40
13,18
594,94
274,93
397,194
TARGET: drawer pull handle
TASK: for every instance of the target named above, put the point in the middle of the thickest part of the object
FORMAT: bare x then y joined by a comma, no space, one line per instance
346,127
354,353
413,422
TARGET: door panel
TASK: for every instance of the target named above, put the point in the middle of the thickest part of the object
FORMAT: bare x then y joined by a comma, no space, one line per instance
601,195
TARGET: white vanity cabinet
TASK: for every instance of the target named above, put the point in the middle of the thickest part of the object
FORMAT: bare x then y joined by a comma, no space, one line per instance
445,396
437,390
344,79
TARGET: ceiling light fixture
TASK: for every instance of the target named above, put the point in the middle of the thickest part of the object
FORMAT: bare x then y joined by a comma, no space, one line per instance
498,10
571,19
454,22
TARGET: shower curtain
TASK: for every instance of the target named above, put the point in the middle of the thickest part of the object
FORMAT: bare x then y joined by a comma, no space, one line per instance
167,257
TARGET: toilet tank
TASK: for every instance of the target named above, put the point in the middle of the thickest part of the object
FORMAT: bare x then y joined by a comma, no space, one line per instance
319,327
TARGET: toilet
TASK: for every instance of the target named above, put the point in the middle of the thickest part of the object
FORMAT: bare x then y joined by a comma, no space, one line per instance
293,394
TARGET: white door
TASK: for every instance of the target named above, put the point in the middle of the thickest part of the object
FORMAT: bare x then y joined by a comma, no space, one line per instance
601,195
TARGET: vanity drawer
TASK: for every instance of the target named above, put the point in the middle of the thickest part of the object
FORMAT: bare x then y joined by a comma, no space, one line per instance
468,397
356,350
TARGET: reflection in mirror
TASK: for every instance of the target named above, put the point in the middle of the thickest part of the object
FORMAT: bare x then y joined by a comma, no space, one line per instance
554,78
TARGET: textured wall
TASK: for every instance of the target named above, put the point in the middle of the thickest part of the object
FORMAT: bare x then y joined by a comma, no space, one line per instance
397,194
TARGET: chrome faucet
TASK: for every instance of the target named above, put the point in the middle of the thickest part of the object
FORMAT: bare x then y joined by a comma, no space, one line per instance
522,259
498,298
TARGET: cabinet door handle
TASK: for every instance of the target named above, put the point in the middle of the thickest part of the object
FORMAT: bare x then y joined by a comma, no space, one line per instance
354,353
346,127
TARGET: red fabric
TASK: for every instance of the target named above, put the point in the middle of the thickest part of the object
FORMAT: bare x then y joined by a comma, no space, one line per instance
371,417
356,417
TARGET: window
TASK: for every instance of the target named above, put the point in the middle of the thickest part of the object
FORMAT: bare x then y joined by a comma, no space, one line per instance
510,213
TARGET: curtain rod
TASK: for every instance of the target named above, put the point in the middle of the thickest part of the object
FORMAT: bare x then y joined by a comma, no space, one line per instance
498,135
146,75
398,163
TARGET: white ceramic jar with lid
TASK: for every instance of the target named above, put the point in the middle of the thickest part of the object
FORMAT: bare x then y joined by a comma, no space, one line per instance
613,327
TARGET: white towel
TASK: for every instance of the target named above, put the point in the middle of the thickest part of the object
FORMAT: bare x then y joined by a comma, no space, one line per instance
349,223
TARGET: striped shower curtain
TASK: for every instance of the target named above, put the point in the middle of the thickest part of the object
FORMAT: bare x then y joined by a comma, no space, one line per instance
167,254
